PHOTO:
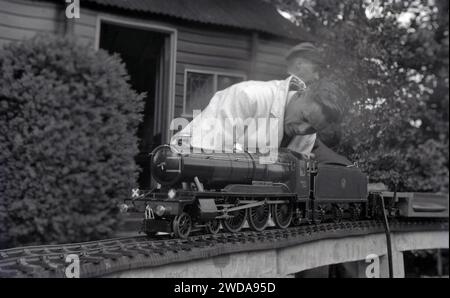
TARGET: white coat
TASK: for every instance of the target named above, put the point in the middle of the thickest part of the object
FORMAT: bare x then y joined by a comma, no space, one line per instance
247,100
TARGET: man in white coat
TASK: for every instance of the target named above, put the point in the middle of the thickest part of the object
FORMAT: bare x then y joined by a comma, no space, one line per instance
261,116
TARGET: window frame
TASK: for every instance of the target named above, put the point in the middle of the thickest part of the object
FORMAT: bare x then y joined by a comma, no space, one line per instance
216,73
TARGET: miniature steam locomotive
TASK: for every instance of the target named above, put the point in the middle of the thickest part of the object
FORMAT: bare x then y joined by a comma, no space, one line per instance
210,191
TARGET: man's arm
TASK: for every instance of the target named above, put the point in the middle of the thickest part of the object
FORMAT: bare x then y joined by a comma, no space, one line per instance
213,123
325,155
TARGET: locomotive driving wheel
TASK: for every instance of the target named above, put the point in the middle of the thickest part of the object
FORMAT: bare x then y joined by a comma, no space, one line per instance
213,226
282,215
182,225
258,217
236,221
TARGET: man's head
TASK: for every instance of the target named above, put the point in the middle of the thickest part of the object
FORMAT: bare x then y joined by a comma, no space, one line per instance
314,110
304,61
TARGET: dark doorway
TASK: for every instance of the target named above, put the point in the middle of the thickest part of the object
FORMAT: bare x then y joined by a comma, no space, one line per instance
145,54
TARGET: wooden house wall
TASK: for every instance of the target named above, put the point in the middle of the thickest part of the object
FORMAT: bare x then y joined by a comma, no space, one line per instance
23,19
199,46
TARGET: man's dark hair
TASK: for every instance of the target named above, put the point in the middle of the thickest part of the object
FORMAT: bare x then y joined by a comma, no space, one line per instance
313,57
305,50
330,97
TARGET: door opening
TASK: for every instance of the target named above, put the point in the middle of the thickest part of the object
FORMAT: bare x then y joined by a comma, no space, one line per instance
146,54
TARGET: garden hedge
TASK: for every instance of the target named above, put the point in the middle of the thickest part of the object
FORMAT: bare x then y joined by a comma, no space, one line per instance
68,121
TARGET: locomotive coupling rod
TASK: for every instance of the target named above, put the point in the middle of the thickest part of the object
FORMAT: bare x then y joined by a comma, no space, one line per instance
245,206
255,204
267,202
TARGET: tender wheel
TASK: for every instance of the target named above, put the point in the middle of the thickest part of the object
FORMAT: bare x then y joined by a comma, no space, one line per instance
282,215
319,216
258,217
236,222
355,213
337,213
213,226
182,225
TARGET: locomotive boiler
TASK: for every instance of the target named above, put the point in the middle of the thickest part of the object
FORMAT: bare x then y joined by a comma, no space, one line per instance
216,170
211,191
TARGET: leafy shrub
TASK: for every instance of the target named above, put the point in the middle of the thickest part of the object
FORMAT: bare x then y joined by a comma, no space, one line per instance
396,75
68,121
394,152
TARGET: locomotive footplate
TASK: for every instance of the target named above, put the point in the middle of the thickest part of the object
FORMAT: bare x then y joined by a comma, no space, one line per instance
157,225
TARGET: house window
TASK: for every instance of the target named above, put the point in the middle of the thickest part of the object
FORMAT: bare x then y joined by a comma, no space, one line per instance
200,86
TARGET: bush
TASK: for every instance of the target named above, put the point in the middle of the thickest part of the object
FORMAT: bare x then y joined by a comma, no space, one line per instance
68,121
393,151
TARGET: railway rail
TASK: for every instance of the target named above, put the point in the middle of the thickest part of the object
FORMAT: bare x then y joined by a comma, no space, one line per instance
104,257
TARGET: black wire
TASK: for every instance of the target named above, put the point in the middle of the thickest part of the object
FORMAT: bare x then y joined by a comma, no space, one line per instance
388,237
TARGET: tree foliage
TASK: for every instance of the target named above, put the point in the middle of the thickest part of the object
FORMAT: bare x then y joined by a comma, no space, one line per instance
67,141
392,58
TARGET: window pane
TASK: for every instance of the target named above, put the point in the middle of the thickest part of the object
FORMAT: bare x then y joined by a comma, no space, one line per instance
199,90
226,81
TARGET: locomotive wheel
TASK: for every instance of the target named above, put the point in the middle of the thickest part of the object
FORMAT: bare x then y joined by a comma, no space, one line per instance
213,226
319,215
282,215
355,213
182,225
258,217
337,214
236,222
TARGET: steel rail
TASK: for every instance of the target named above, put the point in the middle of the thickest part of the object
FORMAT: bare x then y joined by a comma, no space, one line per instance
99,258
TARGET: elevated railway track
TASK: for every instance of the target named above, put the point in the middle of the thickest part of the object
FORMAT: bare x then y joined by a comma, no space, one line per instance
107,257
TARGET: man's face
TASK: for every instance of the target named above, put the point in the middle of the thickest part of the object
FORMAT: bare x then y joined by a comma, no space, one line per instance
304,68
303,117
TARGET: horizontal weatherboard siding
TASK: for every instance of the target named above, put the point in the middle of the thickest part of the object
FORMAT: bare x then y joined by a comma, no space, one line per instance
199,46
